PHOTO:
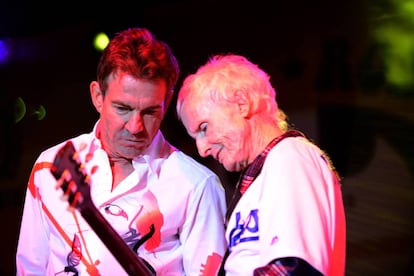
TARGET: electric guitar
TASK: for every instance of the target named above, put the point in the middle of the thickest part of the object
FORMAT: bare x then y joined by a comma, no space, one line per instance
68,171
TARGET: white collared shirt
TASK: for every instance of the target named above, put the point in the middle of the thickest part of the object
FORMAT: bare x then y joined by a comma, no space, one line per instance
182,198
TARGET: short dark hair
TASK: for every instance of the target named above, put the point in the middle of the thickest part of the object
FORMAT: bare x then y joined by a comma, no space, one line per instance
137,52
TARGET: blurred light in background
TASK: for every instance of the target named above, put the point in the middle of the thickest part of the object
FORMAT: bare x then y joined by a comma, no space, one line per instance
5,51
100,41
20,110
393,31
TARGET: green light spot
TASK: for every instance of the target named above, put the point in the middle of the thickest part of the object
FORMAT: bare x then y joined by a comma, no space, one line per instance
20,110
40,112
101,41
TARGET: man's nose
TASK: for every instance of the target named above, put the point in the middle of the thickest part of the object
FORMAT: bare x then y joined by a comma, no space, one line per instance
135,123
203,147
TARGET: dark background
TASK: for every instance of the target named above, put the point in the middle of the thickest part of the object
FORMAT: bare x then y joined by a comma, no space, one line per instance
322,61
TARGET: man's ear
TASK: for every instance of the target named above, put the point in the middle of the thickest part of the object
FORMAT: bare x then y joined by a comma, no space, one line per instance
96,95
244,103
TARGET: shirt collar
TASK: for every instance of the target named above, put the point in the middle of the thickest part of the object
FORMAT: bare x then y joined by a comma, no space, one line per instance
153,156
156,153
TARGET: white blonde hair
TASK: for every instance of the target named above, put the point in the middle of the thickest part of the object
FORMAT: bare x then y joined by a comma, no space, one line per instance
224,75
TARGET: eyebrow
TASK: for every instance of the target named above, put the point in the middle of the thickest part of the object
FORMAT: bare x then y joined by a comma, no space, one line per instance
193,132
156,106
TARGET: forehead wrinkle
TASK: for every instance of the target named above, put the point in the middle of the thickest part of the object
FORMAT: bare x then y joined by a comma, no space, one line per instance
191,129
191,117
197,106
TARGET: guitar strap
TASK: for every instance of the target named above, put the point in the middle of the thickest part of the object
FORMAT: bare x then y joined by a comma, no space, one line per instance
247,177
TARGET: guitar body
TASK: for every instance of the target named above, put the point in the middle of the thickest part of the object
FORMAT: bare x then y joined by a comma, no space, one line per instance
67,170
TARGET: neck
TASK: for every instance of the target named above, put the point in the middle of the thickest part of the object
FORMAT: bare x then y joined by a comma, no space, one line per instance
262,134
121,168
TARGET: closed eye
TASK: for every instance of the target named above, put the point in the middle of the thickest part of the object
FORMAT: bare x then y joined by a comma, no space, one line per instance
122,108
202,129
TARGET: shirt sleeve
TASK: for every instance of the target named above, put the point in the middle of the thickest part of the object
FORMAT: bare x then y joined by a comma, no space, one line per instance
32,249
203,234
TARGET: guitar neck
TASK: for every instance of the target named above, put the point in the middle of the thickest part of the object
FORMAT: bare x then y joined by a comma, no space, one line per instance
127,258
67,169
